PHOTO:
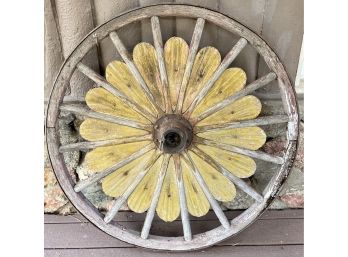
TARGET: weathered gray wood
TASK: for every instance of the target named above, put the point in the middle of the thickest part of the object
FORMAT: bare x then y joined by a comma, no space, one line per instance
133,69
263,232
228,59
151,211
82,110
98,176
213,203
266,120
283,30
85,146
105,10
73,27
196,37
182,198
239,182
158,42
238,251
251,14
247,90
167,23
251,153
123,198
100,81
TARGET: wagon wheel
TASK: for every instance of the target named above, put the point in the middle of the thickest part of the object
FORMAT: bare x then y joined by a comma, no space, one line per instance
171,130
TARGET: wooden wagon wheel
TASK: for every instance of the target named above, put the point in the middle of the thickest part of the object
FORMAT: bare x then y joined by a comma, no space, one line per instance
177,123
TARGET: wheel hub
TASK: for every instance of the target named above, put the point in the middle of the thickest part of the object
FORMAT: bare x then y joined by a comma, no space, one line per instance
172,133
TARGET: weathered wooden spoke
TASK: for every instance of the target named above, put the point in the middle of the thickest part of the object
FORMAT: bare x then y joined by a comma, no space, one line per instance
247,90
214,204
100,81
133,69
85,146
196,38
86,112
151,211
251,153
123,198
172,129
230,56
239,182
98,176
157,39
183,206
267,120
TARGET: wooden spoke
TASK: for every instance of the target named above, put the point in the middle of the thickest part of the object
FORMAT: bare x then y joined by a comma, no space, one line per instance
100,81
133,69
251,153
86,112
123,198
213,203
247,90
98,176
237,181
85,146
157,39
231,55
267,120
151,211
196,38
183,206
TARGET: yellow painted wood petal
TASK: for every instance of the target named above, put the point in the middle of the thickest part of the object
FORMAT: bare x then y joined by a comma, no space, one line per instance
145,58
140,200
118,74
168,206
250,137
197,203
106,156
220,187
100,100
240,165
206,62
245,108
116,183
93,130
231,81
175,57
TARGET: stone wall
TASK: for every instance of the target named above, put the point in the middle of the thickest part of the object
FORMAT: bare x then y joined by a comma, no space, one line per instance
280,23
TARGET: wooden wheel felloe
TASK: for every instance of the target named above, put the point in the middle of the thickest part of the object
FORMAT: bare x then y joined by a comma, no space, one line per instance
172,129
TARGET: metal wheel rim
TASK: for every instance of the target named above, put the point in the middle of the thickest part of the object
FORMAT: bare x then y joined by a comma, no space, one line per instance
208,238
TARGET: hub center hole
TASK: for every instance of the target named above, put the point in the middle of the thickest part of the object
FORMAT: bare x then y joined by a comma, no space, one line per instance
172,139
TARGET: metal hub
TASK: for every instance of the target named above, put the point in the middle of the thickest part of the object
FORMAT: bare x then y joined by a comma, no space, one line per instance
172,133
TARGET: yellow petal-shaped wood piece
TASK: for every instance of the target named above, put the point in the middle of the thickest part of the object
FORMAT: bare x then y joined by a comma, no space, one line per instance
206,62
168,206
100,100
118,74
116,183
106,156
231,81
220,187
245,108
249,137
93,130
239,165
145,58
197,203
140,200
175,57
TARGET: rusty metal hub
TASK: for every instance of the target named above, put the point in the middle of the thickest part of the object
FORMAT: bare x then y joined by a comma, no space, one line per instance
172,133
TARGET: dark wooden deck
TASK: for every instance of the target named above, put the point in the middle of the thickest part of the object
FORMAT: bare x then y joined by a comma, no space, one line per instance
275,234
